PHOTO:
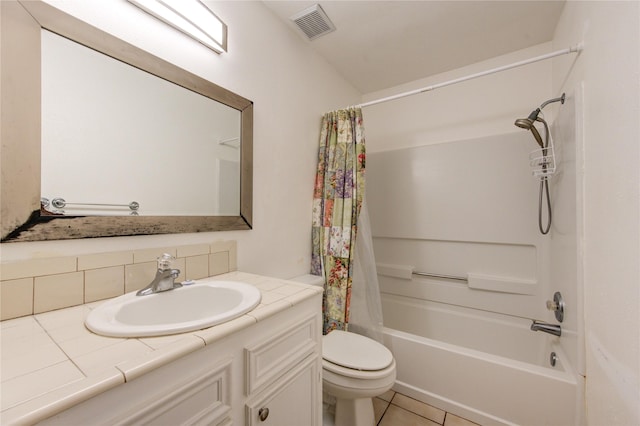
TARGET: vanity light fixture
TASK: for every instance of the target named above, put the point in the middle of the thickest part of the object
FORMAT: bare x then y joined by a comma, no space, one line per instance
191,17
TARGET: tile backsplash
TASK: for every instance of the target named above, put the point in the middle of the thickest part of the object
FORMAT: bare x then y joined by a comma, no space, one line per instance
39,285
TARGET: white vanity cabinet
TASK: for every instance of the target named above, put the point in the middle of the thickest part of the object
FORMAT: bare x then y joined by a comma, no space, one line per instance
272,366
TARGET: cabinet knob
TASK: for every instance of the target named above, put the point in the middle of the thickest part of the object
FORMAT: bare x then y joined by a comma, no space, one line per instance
263,413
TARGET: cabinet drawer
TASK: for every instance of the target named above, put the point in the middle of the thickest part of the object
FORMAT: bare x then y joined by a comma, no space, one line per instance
270,358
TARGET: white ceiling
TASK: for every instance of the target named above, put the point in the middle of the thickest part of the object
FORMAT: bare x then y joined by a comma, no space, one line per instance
380,44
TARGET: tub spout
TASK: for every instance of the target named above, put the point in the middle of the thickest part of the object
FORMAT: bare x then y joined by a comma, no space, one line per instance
554,329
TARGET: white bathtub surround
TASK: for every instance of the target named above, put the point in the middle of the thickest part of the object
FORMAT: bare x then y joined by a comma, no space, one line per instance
51,362
468,210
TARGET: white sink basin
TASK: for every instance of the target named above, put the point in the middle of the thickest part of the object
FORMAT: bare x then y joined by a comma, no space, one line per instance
188,308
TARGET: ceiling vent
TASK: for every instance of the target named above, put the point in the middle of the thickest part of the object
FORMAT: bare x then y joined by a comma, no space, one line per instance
313,22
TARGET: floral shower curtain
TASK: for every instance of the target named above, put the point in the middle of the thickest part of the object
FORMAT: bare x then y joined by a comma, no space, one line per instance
337,199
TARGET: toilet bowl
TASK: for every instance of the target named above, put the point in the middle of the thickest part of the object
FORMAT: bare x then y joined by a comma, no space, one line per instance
355,369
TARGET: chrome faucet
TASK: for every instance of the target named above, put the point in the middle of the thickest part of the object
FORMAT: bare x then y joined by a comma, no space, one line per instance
164,279
554,329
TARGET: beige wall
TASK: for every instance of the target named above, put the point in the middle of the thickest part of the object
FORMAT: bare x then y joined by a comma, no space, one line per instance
291,88
608,68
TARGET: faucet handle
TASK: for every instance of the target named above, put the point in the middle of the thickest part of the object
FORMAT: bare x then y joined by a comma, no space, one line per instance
557,305
164,262
552,306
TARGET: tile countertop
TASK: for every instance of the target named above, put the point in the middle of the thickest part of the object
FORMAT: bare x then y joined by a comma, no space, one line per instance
51,362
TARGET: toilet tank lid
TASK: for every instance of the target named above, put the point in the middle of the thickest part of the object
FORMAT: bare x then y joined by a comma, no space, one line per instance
309,279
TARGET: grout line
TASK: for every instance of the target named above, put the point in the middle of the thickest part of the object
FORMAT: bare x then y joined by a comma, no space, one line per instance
55,342
446,413
385,411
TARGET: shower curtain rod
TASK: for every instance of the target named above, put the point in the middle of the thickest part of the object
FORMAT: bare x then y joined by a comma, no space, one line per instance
572,49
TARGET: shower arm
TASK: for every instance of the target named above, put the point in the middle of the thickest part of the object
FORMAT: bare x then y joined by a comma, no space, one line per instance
543,121
559,99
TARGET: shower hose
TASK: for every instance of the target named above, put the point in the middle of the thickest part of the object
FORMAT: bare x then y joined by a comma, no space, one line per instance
544,187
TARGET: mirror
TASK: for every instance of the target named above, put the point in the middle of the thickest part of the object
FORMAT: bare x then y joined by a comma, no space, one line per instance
185,164
131,137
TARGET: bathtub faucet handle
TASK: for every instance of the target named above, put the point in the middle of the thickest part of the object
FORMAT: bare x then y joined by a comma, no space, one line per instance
557,305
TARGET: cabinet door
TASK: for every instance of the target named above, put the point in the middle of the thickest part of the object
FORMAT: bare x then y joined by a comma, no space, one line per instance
159,398
293,400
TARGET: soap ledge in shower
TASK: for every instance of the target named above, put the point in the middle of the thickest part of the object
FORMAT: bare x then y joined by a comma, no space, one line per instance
395,271
502,284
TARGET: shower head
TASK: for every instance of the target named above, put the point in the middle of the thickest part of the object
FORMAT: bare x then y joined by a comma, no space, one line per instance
528,123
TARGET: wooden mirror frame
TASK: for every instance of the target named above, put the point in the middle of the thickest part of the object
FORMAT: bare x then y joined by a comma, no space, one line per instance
22,218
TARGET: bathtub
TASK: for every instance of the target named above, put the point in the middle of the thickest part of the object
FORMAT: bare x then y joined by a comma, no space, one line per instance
486,367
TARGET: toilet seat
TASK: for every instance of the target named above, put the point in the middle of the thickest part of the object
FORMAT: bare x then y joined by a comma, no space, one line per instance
352,351
337,370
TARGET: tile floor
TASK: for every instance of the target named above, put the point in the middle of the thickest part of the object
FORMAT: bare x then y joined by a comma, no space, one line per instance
394,409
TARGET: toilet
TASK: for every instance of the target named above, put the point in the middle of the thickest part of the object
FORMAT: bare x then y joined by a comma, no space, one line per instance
355,369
